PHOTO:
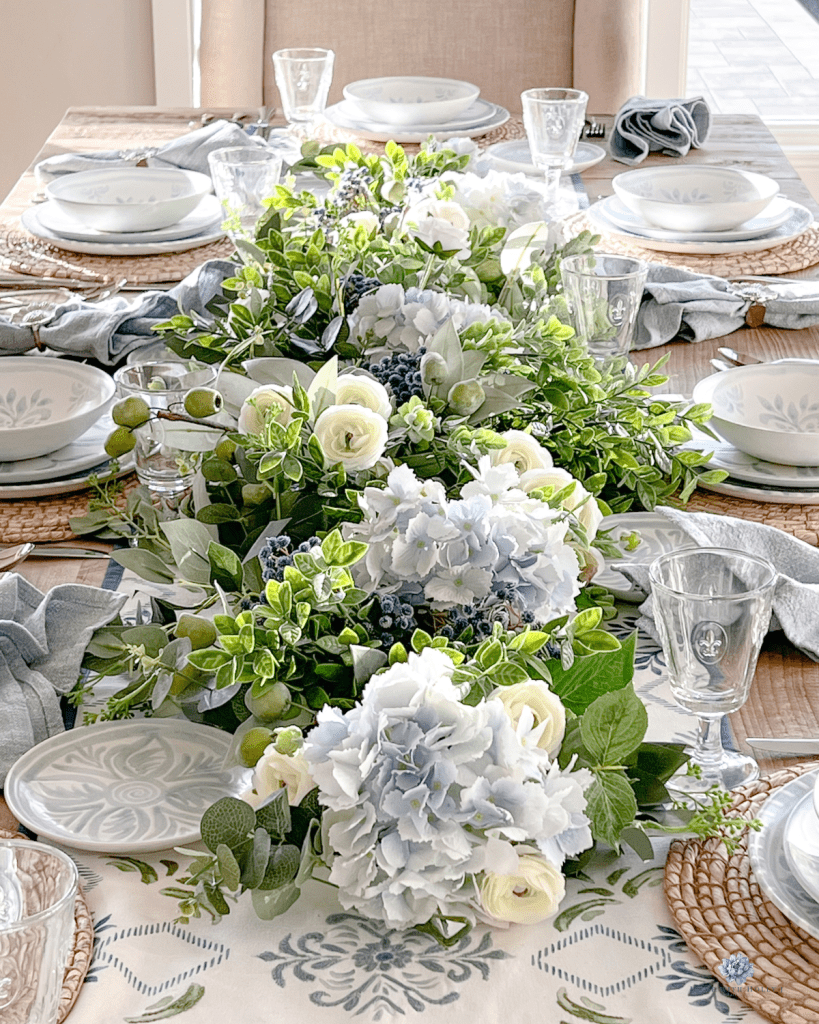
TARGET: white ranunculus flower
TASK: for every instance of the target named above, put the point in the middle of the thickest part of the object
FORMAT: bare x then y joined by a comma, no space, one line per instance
352,435
523,451
548,716
268,396
531,895
366,218
275,771
438,220
356,389
580,502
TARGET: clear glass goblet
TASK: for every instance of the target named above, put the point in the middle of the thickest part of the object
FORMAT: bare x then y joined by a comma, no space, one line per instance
303,77
712,608
553,119
244,176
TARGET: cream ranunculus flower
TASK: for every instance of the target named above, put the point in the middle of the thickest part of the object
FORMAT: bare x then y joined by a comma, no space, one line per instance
356,389
274,771
580,502
546,707
366,218
531,895
523,451
352,435
268,396
442,221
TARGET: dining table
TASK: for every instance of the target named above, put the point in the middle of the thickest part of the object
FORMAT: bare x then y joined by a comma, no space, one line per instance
321,966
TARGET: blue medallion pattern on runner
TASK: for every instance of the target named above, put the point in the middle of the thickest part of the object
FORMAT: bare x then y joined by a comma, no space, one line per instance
355,964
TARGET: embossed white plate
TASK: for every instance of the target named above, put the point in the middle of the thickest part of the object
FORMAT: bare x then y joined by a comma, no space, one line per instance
123,787
766,851
514,156
801,843
479,119
84,453
746,467
207,215
65,484
658,536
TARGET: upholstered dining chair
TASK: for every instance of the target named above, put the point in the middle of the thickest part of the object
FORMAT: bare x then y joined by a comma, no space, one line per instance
504,46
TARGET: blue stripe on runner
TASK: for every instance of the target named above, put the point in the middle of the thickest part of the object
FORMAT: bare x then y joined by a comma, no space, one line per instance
580,191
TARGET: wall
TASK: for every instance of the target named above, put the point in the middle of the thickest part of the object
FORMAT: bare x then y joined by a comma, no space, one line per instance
60,53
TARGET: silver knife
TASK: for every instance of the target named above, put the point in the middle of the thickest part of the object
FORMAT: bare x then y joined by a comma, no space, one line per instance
49,551
785,744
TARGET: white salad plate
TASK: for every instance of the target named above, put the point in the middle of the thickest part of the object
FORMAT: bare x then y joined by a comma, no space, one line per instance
514,156
131,786
207,216
87,451
775,214
752,470
765,492
477,120
66,484
801,842
658,536
766,851
31,222
796,224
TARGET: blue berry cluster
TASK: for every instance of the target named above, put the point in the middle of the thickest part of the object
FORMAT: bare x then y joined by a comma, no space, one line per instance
396,617
353,184
483,617
356,287
275,555
401,373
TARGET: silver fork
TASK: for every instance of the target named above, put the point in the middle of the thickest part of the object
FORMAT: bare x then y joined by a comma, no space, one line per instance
595,130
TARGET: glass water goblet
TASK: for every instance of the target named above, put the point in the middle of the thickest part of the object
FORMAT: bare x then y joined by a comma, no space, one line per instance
712,608
553,119
303,77
243,176
603,293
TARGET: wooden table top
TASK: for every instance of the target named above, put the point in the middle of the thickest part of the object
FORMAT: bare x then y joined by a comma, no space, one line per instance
783,699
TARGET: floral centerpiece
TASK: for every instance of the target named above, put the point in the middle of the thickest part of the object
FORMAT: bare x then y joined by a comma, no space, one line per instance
399,512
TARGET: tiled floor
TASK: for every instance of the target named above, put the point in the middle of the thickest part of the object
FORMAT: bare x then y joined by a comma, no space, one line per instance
755,57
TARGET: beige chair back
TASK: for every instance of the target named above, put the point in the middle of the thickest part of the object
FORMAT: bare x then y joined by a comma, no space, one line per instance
504,46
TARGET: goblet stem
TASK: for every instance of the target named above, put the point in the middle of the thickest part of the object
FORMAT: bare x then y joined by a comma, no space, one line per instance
552,176
708,750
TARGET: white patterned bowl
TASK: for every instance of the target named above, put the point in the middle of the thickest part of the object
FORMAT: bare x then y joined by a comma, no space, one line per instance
695,198
46,403
411,100
129,198
769,410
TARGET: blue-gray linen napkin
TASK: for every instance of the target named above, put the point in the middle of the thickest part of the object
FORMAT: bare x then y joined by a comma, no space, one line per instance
796,595
642,126
42,642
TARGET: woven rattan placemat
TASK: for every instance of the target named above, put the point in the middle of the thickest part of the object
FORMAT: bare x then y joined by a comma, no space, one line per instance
720,910
82,947
797,254
25,254
326,133
801,521
46,519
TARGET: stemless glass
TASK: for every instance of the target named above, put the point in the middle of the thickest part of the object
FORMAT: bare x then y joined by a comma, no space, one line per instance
303,77
38,889
553,119
242,177
603,293
712,607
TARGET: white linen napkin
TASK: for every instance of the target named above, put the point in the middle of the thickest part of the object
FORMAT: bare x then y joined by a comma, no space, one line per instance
42,642
672,127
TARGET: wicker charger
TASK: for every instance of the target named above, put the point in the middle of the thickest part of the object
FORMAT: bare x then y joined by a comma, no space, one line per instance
800,521
82,947
720,910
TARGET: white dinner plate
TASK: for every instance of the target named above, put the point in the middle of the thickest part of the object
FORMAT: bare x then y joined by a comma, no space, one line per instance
123,787
774,215
801,843
764,492
472,124
514,156
207,216
770,866
87,451
746,467
31,222
658,536
797,223
65,484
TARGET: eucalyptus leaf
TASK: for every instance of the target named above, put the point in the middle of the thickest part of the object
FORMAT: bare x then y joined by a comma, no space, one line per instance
144,563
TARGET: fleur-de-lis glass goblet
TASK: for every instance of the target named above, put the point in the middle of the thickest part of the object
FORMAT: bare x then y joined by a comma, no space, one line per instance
712,608
303,77
553,119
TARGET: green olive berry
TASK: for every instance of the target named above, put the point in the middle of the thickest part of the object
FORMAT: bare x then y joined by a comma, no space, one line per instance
269,706
131,412
200,631
253,745
120,442
225,449
201,402
185,677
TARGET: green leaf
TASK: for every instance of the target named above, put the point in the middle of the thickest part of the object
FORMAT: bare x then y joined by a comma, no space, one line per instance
420,639
592,675
228,866
610,806
229,821
274,815
282,867
209,660
144,563
614,725
638,841
255,862
508,674
269,903
226,566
